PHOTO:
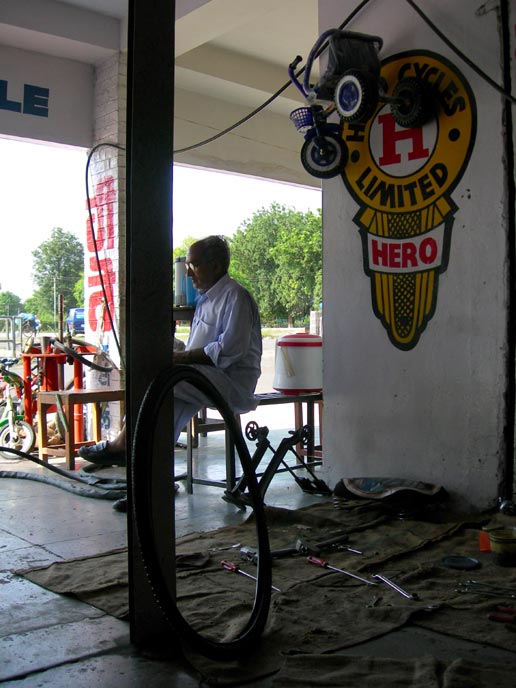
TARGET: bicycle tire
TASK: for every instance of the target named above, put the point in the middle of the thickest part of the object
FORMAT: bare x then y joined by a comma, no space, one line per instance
25,441
411,105
356,96
325,160
142,465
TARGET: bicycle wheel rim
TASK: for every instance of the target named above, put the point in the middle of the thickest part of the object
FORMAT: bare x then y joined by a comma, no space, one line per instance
142,467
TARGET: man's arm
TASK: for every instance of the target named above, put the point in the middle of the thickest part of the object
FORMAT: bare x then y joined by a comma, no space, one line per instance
192,356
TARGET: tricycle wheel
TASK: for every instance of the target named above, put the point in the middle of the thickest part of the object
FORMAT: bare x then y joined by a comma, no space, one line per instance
23,439
356,96
324,156
410,104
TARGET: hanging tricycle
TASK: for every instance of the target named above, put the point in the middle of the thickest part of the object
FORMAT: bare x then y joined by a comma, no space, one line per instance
353,87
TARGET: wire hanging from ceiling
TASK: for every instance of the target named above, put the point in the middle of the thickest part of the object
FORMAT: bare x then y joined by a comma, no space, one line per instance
275,95
460,54
95,245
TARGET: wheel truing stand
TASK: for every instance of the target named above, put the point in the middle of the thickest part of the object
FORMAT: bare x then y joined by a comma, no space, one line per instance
240,498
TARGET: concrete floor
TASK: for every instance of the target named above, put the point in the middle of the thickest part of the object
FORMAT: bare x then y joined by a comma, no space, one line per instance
48,639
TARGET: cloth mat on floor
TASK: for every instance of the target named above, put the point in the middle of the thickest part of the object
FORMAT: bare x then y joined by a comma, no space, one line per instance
100,580
318,611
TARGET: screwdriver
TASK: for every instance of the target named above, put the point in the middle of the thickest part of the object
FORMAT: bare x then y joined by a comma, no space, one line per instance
503,614
324,564
235,568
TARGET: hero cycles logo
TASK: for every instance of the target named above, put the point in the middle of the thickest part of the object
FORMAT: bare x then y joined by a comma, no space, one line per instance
402,179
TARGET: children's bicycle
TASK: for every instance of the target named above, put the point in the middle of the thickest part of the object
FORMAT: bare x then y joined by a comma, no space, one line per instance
15,432
352,87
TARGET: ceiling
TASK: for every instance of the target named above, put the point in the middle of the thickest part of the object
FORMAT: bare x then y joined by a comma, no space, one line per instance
111,8
273,31
231,56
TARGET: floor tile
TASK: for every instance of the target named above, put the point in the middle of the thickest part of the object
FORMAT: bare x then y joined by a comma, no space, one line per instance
26,556
95,544
52,645
122,669
26,607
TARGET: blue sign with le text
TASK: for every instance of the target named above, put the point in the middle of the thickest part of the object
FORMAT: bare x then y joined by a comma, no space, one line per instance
35,100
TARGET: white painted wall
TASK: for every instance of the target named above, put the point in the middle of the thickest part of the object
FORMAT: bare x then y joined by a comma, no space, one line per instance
435,412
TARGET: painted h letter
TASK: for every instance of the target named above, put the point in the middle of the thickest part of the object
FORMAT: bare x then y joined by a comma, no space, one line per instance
391,136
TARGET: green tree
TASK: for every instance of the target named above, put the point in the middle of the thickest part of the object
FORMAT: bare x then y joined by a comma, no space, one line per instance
277,255
181,250
10,304
298,258
252,262
57,265
78,291
35,304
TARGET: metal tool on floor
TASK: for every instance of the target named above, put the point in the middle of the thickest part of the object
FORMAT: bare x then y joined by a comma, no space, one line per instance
312,485
503,614
221,549
334,544
324,564
235,568
484,588
391,584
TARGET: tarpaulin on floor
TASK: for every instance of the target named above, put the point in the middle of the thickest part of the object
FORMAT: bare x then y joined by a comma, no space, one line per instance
318,611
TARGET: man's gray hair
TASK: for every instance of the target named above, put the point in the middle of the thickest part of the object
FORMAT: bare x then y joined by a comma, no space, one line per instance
216,248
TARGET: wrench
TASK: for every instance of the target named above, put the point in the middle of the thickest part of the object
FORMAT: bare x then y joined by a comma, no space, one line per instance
484,591
492,586
388,582
324,564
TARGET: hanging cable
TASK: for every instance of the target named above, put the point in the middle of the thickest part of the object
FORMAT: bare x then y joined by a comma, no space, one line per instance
236,124
460,54
95,245
98,488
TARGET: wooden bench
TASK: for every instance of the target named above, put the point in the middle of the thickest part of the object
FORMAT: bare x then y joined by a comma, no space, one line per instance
202,425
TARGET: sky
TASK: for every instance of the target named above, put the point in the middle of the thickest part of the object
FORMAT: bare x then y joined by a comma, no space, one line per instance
43,186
